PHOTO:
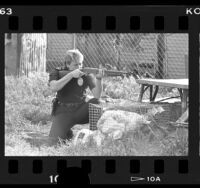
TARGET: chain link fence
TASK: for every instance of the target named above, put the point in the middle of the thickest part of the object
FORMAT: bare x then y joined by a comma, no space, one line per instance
159,55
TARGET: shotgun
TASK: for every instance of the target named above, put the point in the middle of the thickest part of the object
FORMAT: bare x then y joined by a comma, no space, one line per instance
107,73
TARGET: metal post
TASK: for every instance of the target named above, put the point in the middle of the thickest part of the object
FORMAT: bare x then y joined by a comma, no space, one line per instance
160,55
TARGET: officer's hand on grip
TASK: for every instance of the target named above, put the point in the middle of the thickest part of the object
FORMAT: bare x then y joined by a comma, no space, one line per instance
101,73
77,73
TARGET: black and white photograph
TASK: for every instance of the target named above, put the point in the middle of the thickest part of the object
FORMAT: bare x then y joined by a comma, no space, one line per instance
96,94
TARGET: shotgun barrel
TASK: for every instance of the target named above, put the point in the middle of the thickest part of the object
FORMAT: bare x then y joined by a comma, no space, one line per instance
88,70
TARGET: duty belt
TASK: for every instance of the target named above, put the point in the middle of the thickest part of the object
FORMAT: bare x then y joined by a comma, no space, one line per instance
69,105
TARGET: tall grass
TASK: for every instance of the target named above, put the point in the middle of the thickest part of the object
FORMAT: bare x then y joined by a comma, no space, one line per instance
28,121
27,99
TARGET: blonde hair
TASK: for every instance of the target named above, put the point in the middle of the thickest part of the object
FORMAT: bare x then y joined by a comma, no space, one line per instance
73,55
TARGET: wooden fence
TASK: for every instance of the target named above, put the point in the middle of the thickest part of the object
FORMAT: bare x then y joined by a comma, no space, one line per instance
33,53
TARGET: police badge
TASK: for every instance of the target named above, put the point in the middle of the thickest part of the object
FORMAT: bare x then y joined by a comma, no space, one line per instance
80,81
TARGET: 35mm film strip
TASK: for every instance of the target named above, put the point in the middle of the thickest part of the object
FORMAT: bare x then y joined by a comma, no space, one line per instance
153,53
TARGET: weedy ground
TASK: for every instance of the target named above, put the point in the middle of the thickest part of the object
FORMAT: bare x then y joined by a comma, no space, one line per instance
28,121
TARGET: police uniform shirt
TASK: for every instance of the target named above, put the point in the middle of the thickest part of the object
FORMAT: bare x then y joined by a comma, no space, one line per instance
72,92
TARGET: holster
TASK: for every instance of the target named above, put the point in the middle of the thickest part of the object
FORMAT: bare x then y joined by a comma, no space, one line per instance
54,105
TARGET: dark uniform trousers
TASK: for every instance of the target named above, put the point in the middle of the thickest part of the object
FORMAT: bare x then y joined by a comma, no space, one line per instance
63,122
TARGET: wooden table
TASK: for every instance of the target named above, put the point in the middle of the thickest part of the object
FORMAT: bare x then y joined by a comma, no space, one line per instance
153,85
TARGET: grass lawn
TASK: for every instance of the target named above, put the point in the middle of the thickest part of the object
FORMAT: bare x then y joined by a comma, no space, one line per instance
28,121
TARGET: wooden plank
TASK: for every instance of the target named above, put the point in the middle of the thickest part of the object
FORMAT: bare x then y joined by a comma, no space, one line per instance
184,117
141,93
176,83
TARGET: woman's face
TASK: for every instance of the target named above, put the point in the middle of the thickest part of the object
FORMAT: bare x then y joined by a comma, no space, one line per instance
75,65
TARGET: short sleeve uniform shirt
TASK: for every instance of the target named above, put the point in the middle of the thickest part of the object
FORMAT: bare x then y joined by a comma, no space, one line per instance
72,92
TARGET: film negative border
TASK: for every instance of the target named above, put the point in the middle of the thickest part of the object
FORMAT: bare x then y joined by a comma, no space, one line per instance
88,19
86,23
100,170
107,19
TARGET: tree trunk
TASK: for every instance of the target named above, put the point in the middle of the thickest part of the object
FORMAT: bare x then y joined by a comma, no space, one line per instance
19,48
33,53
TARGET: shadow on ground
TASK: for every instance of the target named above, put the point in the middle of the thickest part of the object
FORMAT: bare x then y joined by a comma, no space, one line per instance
38,139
